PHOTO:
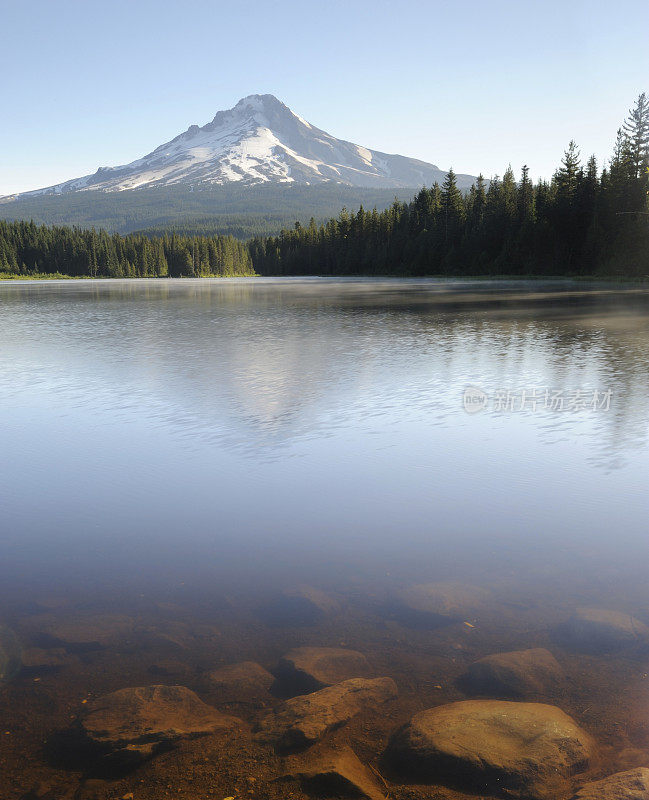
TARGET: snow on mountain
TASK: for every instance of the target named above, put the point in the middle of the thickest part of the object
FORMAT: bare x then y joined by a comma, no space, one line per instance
260,140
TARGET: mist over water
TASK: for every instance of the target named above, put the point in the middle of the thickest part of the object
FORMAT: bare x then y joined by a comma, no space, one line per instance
253,432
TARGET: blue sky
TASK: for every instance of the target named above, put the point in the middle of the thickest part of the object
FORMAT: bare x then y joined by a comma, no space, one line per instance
473,85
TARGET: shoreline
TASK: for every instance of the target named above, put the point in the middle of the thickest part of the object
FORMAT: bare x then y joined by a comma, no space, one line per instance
579,279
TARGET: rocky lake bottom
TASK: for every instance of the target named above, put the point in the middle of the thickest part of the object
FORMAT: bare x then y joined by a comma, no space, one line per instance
432,690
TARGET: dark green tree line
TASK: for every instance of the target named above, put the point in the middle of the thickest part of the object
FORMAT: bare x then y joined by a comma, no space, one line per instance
27,248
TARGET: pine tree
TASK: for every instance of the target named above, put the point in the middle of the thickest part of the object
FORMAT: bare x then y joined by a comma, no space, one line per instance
526,204
636,132
479,202
567,176
452,206
591,186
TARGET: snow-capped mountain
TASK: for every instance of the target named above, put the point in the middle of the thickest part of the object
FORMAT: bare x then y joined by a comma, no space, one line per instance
260,140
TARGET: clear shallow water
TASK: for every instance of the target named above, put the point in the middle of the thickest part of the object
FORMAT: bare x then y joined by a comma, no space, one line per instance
175,453
246,429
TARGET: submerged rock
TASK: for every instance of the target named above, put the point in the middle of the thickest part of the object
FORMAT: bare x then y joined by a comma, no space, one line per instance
519,673
246,681
85,632
10,654
630,785
494,747
312,668
301,721
431,605
596,630
336,773
36,659
130,725
303,605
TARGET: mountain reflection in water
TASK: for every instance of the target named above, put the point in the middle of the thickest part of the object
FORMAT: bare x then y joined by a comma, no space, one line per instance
313,420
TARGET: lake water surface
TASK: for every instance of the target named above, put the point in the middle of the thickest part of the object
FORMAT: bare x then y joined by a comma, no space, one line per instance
181,452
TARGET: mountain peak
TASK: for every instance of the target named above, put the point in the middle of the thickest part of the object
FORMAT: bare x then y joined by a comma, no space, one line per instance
256,103
260,99
259,107
259,140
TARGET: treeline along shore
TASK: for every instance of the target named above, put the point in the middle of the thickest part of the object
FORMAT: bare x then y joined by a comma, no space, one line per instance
583,222
28,249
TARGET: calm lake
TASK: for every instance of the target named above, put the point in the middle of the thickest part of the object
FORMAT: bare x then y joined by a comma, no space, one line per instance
178,454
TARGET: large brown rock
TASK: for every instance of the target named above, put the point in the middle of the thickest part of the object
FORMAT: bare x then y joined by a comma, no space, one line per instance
312,668
630,785
520,673
431,605
335,773
494,747
596,630
301,721
130,725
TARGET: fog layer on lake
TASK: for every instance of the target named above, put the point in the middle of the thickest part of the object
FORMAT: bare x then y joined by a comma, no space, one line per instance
250,434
